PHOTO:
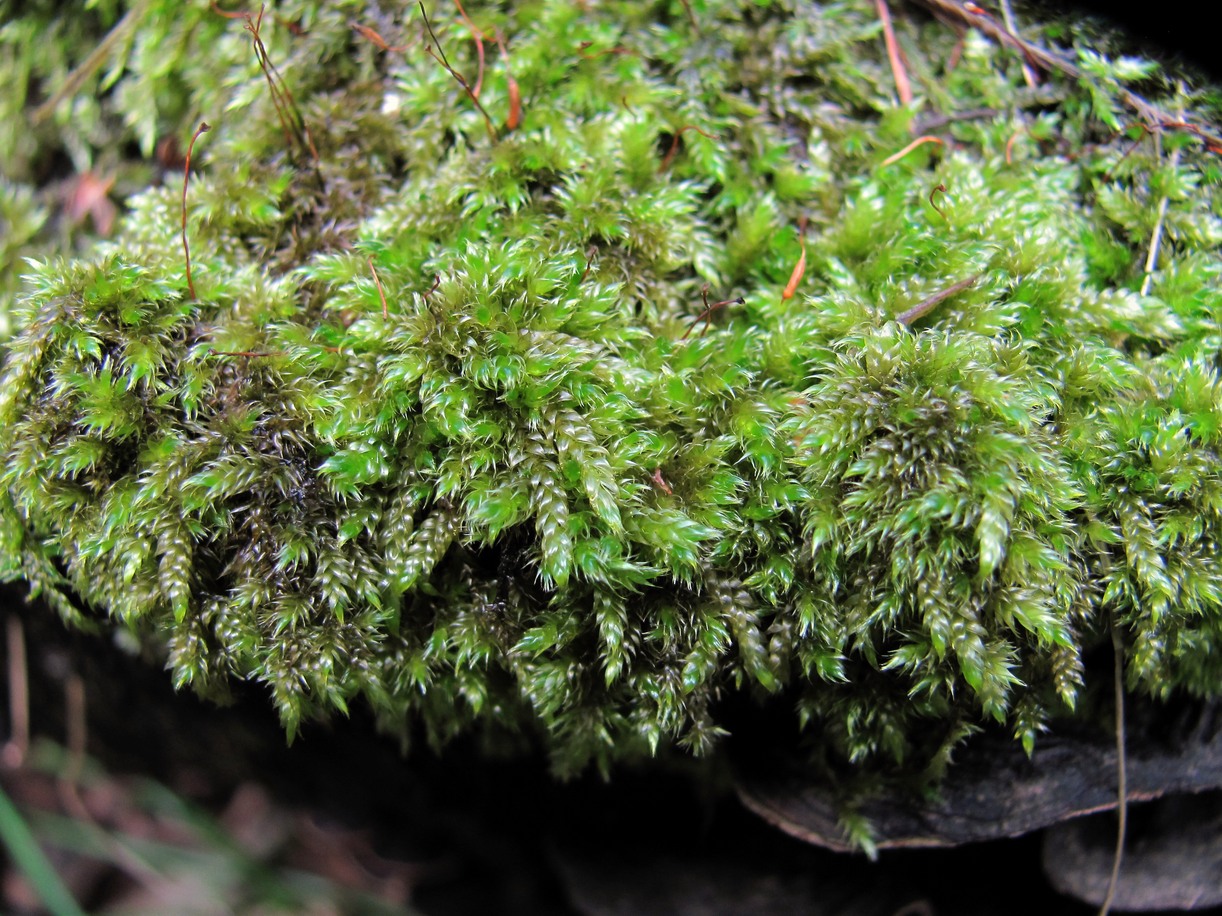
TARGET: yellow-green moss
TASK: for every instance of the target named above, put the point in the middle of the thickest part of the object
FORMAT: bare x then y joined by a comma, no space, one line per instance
516,496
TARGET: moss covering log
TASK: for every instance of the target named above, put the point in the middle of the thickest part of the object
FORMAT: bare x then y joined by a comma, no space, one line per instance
450,426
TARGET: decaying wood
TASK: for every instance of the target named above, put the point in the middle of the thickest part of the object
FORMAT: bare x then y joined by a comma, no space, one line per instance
994,790
1173,860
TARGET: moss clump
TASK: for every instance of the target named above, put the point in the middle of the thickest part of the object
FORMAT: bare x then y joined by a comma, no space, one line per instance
431,435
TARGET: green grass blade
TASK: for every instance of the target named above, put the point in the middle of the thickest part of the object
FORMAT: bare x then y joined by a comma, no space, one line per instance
24,850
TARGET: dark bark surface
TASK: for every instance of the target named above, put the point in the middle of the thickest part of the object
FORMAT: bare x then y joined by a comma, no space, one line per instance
994,790
1173,856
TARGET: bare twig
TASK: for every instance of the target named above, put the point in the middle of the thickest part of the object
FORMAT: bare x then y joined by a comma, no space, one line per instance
1107,176
74,739
295,128
691,16
902,86
908,316
296,131
248,354
18,743
69,779
707,315
440,56
235,14
956,53
1122,796
479,35
204,126
584,50
1010,145
1007,16
933,122
591,252
1051,61
1156,236
91,63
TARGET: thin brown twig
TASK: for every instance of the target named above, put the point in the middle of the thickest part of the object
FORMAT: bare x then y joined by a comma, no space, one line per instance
1107,176
1212,143
908,316
1156,236
18,744
295,128
902,85
236,14
475,30
933,122
204,127
440,56
691,16
1051,61
956,53
707,315
590,254
1010,145
1007,16
584,50
91,63
248,354
479,35
74,740
68,783
1122,790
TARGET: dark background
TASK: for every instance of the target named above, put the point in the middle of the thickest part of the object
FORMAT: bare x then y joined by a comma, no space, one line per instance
1183,31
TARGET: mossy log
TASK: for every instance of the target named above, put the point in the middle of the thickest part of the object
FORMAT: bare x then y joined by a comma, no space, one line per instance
638,378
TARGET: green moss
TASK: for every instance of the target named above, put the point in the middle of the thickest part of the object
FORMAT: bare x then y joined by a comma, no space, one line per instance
517,497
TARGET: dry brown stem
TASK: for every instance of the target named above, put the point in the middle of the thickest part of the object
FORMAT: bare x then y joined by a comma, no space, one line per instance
908,316
902,85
